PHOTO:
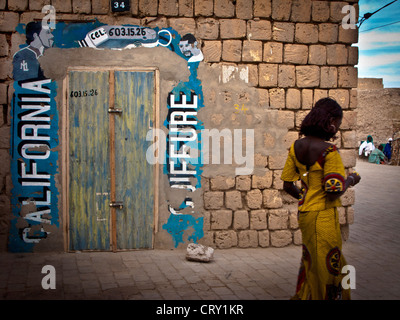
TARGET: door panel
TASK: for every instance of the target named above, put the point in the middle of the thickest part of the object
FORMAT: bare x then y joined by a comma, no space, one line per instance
94,157
134,175
89,168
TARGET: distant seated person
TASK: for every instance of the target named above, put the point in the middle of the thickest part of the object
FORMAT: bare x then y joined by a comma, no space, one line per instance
388,149
377,156
366,147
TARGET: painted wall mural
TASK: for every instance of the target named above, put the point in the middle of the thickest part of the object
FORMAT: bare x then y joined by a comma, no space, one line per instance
34,130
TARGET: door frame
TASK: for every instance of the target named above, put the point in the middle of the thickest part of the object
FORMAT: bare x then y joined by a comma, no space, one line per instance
65,150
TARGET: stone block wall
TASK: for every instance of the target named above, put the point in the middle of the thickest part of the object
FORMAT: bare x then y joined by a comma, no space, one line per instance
294,52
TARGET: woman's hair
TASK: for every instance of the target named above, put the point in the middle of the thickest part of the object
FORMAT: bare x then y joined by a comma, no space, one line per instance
318,121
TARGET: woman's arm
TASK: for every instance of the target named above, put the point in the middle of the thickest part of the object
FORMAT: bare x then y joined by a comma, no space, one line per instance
351,180
291,189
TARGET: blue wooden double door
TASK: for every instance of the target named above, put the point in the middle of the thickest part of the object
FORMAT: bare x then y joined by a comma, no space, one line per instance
110,183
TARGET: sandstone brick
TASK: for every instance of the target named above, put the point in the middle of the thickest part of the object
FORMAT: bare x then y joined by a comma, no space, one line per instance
253,73
186,8
212,51
225,239
272,198
260,161
329,77
353,55
221,183
263,238
232,28
320,11
336,54
243,183
283,31
224,8
348,35
341,96
353,99
335,13
293,217
17,5
5,68
262,182
259,30
306,33
293,98
301,11
221,219
348,198
349,120
297,237
254,199
207,28
207,220
273,52
347,77
248,239
183,25
277,98
37,5
288,139
307,98
233,200
269,140
258,219
319,94
168,7
102,7
317,55
64,6
203,8
300,115
213,199
8,21
241,219
342,215
328,32
307,76
232,50
252,51
148,7
349,158
350,215
81,6
268,75
278,219
262,8
263,98
281,238
3,45
286,76
3,95
296,53
244,9
208,239
283,119
281,10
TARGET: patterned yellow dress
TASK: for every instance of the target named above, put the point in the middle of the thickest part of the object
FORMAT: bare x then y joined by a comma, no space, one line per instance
322,260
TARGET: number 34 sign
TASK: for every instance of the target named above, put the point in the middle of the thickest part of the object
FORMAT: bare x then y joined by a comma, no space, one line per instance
120,5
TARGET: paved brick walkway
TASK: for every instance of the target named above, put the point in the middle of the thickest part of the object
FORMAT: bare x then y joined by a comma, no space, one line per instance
373,249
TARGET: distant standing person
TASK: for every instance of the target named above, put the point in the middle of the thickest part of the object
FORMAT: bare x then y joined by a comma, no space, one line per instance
318,166
388,149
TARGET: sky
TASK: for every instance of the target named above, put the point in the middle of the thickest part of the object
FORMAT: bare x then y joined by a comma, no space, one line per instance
379,49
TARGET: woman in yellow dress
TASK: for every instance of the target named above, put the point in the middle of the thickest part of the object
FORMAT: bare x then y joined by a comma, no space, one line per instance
318,166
